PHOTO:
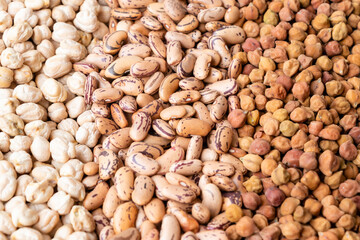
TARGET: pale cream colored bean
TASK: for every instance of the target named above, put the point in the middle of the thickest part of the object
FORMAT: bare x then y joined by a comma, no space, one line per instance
212,198
124,183
174,53
142,164
155,210
163,129
186,167
171,156
170,228
124,217
153,84
184,97
192,126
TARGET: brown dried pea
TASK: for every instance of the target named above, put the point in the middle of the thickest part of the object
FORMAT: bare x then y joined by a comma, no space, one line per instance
288,206
332,213
291,229
320,21
280,176
246,227
267,64
320,224
268,166
324,63
339,31
302,215
253,184
288,128
271,18
311,180
233,213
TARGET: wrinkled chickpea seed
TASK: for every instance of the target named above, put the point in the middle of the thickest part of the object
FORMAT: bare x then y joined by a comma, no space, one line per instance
179,119
47,131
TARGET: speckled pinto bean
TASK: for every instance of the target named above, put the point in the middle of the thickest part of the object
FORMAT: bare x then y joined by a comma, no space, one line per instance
206,119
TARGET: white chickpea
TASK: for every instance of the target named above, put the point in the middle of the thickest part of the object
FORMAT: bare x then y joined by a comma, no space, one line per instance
23,75
38,192
34,60
76,106
63,232
45,173
22,183
63,13
12,124
22,162
48,219
37,4
46,48
52,90
40,149
57,66
5,21
27,93
101,31
86,21
62,31
20,143
72,187
3,5
26,15
11,59
88,134
81,219
74,50
65,136
69,125
23,216
6,93
13,203
75,4
14,7
82,236
6,77
4,142
23,46
72,168
37,206
83,153
57,165
29,112
62,151
37,128
25,232
6,225
87,116
104,14
8,105
57,112
44,16
2,46
17,34
91,5
41,33
7,180
76,83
